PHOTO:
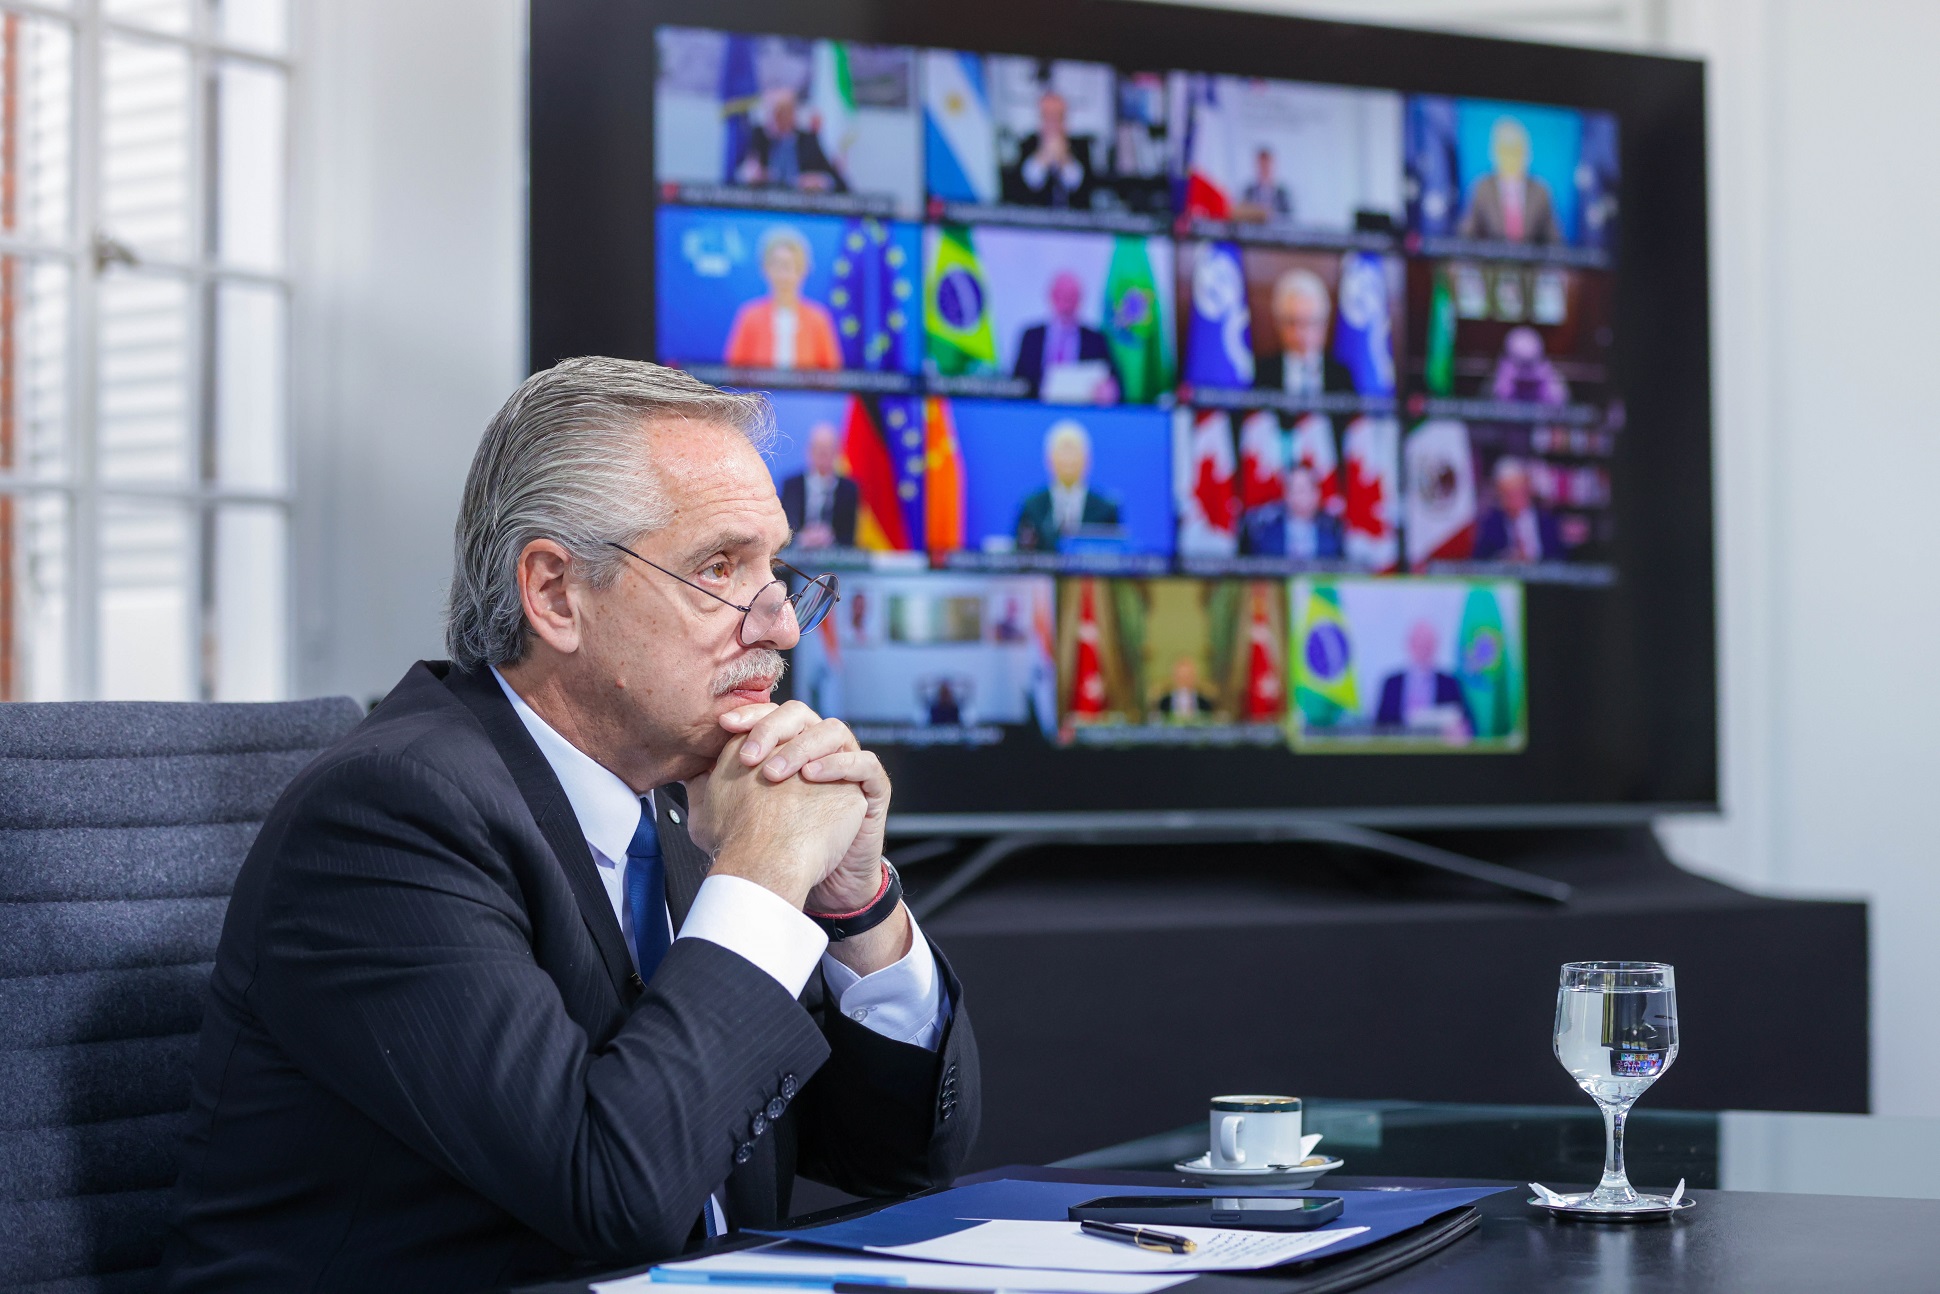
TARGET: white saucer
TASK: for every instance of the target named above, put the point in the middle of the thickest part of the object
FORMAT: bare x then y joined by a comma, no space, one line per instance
1649,1208
1304,1173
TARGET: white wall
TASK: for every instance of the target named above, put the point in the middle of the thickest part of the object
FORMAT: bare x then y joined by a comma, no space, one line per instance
409,319
1826,327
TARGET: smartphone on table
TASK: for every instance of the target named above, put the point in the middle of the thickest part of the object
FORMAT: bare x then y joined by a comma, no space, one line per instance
1246,1212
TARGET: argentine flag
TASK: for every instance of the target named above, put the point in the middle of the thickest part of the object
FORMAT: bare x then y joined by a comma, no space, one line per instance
959,138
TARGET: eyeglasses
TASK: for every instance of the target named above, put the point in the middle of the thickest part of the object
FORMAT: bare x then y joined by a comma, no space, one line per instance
771,604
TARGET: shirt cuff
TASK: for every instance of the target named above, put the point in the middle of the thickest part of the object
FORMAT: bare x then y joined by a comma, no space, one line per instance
904,1001
760,925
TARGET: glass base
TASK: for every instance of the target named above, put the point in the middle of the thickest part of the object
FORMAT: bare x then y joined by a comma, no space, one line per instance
1583,1207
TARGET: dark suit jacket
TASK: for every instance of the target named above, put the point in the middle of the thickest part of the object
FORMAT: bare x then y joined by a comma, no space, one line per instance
1269,372
1484,217
842,508
1264,531
1037,527
809,157
1448,691
1017,192
1092,345
1493,541
427,1063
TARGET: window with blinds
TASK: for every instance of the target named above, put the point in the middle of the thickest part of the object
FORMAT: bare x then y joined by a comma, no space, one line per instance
144,505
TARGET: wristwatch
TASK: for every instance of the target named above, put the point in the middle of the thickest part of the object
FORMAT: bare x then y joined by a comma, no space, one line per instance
843,925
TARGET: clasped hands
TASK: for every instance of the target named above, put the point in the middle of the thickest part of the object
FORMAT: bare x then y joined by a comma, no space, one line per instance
795,805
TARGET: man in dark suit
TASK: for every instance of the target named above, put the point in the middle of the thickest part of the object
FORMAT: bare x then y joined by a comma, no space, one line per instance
1509,204
1422,696
1061,341
1183,702
1515,529
779,154
1068,505
1052,168
821,503
527,975
1302,311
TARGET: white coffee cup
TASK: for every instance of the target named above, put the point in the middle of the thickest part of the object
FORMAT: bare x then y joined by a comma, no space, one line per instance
1255,1131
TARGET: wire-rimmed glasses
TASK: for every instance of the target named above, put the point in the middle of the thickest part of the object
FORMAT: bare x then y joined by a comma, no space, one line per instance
769,609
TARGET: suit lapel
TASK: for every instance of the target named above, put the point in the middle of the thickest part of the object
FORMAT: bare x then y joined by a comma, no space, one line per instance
687,863
552,811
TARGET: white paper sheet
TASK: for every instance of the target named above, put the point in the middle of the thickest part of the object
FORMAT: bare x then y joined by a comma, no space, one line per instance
771,1262
1061,1246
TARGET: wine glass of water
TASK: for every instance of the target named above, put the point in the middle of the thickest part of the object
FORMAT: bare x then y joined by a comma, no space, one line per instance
1616,1033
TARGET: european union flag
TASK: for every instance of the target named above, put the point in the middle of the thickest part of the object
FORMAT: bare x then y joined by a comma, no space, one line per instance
740,93
1434,188
902,435
1364,337
1597,176
874,288
1219,341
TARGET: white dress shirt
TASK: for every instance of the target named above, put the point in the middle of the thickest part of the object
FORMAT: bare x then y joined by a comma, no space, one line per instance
904,1001
1068,507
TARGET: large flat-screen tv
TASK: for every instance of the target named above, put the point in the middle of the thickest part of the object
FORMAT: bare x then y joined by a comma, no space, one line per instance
1210,417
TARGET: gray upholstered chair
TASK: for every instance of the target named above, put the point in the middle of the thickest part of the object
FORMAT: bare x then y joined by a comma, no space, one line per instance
122,826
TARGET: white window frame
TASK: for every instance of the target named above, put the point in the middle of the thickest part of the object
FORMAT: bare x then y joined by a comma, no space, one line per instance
87,251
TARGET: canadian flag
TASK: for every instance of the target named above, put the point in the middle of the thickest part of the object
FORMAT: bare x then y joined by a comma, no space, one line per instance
1087,675
1370,449
1204,485
1441,493
1262,463
1266,687
1313,449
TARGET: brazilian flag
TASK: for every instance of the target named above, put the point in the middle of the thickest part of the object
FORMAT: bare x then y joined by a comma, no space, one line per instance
1439,365
1323,662
956,307
1487,666
1141,348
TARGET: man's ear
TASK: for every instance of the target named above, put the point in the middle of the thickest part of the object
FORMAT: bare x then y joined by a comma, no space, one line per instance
549,595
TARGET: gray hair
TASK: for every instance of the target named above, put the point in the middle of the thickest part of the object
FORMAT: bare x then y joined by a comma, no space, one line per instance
564,459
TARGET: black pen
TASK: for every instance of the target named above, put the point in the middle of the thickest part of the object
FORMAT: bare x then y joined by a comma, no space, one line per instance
1163,1242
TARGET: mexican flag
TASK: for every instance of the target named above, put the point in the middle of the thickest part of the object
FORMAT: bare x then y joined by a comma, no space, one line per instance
832,99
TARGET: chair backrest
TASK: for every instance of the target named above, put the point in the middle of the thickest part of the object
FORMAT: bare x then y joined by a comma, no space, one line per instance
122,826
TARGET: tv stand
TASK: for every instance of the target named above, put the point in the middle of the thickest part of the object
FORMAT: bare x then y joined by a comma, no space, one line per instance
994,851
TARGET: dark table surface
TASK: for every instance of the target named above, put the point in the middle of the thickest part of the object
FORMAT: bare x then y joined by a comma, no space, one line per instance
1767,1241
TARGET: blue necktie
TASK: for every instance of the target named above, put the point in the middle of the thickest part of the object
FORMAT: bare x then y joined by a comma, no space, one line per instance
646,896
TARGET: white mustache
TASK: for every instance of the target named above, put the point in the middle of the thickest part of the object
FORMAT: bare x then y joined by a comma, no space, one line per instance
761,663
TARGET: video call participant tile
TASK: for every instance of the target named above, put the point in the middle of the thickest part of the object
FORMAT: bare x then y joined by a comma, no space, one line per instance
780,121
1295,330
1511,180
1496,340
1533,501
1171,662
760,300
1062,318
1428,666
1044,141
1286,161
1053,489
934,659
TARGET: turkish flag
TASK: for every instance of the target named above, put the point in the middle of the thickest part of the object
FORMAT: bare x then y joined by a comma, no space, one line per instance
1266,687
1087,676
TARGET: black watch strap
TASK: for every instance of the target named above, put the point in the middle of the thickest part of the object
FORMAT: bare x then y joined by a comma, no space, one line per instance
846,925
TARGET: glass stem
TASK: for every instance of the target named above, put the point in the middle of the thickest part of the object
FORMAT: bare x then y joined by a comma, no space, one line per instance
1615,1185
